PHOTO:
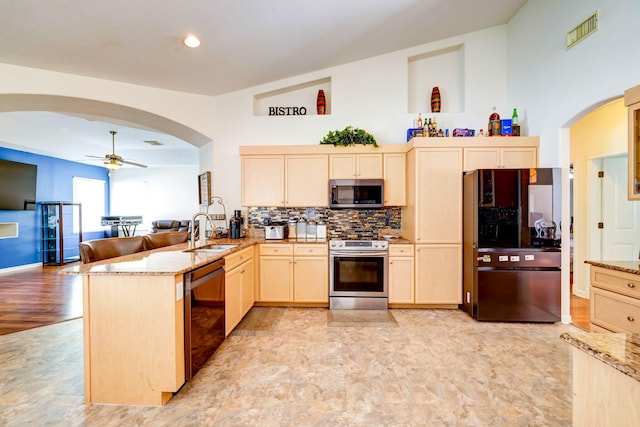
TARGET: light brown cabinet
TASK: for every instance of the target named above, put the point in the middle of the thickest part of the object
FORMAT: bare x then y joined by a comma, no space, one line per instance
355,166
500,157
238,287
395,179
306,178
296,273
401,274
263,180
311,273
615,300
285,180
438,274
632,101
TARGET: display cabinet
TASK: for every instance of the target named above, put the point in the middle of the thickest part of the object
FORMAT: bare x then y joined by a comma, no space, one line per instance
632,101
61,232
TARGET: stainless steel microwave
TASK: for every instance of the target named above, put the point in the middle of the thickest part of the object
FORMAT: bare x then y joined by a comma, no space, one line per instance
356,193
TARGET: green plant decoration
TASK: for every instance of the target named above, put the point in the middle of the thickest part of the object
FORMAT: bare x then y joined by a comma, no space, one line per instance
349,136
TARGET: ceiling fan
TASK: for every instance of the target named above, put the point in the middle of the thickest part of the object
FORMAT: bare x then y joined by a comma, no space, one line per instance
113,161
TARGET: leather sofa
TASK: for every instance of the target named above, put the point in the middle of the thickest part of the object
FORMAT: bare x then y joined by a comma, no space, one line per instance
159,240
165,225
100,249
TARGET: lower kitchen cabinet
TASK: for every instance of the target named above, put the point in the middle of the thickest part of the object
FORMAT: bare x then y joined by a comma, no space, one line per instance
615,301
238,287
438,274
294,273
401,267
311,273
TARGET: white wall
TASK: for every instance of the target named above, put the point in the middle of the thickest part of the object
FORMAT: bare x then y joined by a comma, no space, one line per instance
553,86
171,193
371,94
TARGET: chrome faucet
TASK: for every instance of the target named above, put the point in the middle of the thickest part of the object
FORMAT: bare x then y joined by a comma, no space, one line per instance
204,231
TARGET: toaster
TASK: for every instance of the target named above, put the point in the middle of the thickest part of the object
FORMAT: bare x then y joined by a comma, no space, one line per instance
275,232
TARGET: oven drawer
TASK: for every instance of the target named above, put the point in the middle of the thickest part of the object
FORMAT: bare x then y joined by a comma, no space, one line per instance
400,250
276,249
310,250
615,312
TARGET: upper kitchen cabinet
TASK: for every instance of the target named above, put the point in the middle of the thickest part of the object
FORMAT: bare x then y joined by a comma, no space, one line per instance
395,179
507,152
285,180
296,100
355,166
306,180
263,180
632,101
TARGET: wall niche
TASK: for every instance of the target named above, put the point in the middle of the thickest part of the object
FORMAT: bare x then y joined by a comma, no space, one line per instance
443,68
301,97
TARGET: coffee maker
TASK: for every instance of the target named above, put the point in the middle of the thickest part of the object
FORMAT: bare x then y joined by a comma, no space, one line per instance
236,230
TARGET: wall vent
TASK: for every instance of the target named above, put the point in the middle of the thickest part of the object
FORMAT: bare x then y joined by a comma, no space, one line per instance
582,30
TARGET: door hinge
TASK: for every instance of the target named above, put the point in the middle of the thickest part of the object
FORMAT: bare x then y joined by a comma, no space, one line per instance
601,225
600,174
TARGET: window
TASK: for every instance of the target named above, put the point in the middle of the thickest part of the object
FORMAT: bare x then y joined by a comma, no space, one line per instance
89,192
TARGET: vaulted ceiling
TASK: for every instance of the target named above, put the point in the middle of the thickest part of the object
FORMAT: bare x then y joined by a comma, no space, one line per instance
243,42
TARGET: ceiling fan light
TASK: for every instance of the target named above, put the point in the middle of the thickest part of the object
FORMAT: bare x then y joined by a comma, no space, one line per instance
112,165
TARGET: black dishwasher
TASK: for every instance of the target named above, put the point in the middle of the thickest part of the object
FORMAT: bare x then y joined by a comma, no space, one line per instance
203,315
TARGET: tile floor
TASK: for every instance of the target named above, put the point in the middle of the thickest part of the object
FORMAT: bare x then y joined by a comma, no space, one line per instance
438,367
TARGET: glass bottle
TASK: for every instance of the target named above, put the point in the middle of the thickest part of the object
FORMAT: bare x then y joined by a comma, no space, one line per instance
419,123
514,117
494,124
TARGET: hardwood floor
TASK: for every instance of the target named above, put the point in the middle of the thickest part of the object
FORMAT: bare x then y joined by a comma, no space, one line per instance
38,297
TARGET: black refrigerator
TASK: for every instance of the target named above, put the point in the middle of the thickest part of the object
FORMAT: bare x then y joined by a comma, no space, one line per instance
511,244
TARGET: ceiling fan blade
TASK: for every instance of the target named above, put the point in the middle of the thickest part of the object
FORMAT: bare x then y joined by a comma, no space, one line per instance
133,163
95,157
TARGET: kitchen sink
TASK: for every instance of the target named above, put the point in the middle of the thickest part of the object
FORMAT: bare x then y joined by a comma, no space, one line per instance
212,248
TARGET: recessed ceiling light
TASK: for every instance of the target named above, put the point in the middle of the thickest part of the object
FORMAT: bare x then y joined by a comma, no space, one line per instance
191,41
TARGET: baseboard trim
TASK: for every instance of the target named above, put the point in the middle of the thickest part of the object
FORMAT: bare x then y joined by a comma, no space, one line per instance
20,267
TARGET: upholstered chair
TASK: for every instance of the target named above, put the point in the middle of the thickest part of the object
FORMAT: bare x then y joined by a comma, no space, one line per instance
111,247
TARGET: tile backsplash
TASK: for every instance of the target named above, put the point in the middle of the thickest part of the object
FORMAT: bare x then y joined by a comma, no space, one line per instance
341,223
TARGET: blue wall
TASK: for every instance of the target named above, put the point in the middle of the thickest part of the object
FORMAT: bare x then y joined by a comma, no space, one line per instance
55,183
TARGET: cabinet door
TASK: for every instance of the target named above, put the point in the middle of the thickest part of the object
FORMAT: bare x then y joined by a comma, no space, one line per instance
438,274
233,299
342,166
311,279
263,181
247,287
369,166
307,180
439,196
481,158
395,180
276,278
401,288
519,157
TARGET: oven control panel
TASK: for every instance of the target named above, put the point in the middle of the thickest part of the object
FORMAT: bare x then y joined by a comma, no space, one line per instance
359,244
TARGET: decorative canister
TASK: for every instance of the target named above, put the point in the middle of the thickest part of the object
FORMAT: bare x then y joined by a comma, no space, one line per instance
312,230
321,230
301,229
435,100
292,229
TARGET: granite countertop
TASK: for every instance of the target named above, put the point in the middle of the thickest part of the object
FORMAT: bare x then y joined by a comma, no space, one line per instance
620,351
170,260
632,267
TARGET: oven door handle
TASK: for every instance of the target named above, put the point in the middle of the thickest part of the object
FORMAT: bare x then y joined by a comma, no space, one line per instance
357,253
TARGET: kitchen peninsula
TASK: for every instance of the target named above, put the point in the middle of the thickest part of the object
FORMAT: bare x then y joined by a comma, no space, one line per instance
133,317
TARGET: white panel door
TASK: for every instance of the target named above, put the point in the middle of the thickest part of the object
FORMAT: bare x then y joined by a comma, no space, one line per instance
621,217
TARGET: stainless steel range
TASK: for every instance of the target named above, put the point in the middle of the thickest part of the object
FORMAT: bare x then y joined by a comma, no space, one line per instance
358,274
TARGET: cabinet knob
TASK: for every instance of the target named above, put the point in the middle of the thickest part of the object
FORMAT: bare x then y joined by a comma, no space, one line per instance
242,271
631,285
630,318
390,262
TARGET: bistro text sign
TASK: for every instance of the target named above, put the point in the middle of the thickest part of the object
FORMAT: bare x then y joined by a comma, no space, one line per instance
287,111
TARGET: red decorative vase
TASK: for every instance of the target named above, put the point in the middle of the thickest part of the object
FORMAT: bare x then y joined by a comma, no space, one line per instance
321,103
435,100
